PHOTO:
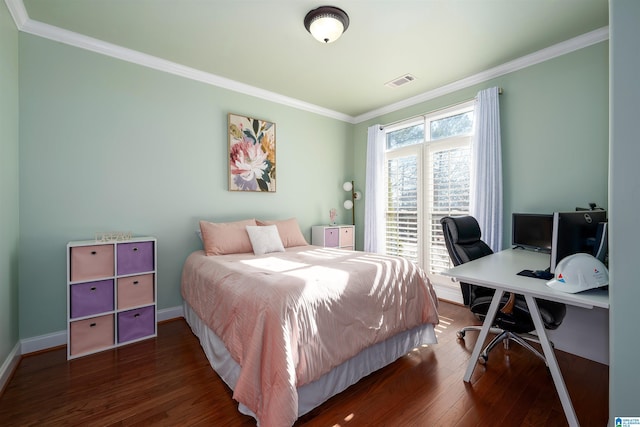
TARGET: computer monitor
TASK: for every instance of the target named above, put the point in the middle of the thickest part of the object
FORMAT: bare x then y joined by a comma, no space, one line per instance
602,243
532,231
575,232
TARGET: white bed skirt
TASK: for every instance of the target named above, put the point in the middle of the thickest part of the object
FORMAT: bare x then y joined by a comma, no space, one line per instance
337,380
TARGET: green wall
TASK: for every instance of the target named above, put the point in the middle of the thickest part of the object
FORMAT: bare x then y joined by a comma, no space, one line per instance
554,133
9,221
624,290
107,145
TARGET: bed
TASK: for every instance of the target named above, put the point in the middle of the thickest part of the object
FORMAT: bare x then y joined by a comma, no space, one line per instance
288,328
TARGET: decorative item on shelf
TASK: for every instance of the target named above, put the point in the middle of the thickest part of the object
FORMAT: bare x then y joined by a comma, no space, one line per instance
113,236
326,23
355,195
333,214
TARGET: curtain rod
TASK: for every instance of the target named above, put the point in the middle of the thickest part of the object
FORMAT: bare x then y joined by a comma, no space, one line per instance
434,111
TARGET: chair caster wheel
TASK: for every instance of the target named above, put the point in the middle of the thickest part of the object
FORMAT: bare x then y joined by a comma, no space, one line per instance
460,335
483,359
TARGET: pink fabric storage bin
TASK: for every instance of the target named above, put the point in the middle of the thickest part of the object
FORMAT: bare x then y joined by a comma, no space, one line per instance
137,323
91,298
91,262
135,257
346,236
135,290
91,335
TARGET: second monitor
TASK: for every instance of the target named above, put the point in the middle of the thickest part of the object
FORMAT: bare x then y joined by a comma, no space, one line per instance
532,231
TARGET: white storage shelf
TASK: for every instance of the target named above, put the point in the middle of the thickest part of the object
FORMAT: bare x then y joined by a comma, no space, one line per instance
111,294
334,236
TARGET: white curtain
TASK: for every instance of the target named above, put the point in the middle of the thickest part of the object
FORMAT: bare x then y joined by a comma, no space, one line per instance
486,180
374,222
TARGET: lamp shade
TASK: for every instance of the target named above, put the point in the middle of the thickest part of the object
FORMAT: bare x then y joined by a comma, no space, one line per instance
348,204
326,23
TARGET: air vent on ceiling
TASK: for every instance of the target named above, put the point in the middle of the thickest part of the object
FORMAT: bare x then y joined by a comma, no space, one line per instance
402,80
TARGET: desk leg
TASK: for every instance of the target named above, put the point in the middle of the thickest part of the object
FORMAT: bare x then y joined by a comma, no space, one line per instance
552,362
484,331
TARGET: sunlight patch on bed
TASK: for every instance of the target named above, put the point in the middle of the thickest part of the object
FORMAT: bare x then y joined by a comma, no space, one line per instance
325,279
274,264
325,253
385,269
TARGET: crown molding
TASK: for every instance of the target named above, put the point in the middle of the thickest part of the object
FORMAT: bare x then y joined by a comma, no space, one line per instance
36,28
562,48
27,25
18,12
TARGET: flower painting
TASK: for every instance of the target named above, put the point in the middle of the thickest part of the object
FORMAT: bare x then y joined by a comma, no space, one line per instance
252,154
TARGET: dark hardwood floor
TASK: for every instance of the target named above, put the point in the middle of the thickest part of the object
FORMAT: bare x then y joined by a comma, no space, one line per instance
168,381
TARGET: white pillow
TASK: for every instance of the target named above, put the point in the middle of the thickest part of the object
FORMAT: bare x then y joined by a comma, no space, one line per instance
265,239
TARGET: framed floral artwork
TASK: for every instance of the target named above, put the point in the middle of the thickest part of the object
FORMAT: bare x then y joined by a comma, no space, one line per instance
252,154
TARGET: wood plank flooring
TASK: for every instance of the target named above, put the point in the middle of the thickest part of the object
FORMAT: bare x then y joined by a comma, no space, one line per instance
167,381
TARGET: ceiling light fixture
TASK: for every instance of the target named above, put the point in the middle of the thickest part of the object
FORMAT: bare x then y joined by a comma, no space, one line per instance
326,23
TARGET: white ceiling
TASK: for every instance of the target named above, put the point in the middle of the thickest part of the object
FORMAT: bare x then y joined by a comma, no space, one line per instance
262,45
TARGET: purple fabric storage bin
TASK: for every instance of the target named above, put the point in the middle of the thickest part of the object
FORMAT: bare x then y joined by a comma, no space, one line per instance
134,324
331,236
136,257
91,298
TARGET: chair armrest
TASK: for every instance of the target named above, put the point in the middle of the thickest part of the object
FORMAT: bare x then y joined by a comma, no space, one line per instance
511,302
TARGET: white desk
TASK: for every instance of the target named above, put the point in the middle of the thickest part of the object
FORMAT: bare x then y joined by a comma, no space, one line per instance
499,271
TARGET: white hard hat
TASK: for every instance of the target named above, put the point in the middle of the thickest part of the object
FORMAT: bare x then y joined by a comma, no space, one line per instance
579,272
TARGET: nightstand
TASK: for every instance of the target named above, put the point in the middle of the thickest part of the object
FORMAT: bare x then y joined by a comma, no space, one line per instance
334,236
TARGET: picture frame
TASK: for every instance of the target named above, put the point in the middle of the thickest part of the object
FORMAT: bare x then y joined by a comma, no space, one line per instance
252,154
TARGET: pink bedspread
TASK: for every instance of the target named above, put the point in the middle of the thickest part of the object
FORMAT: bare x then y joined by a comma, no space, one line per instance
289,317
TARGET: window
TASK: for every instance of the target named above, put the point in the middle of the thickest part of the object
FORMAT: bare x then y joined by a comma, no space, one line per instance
427,166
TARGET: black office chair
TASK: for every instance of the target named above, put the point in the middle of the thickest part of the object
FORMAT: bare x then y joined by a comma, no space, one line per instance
513,321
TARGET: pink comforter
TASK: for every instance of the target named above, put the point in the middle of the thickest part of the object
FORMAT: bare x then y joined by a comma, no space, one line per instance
287,318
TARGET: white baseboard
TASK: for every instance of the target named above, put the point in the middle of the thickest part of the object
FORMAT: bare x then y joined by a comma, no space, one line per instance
54,339
170,313
43,342
448,293
9,365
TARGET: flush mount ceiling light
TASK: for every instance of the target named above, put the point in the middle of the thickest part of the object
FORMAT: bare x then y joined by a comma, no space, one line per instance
326,23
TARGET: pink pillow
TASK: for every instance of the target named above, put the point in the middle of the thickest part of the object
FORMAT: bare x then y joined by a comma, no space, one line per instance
226,237
289,231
